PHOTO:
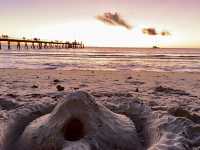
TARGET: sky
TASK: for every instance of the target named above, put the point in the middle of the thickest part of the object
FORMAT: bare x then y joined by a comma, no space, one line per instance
68,20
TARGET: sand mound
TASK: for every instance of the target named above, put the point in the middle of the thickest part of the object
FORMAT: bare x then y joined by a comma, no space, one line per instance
158,130
79,122
78,119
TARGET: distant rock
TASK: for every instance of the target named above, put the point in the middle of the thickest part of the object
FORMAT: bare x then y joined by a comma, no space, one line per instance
60,88
56,81
130,78
76,88
34,87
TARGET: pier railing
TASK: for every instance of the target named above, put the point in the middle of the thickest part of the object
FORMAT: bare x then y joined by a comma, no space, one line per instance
39,44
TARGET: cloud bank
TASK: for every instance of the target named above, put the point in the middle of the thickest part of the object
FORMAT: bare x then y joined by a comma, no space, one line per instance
114,19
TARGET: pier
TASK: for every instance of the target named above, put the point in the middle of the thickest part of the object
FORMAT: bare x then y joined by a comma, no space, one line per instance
38,44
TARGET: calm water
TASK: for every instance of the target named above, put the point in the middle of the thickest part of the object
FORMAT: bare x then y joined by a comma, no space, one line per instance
103,59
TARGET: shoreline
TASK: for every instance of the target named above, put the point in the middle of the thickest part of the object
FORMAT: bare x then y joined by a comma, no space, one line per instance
100,70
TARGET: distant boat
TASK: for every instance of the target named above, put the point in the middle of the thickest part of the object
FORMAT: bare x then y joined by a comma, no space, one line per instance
156,47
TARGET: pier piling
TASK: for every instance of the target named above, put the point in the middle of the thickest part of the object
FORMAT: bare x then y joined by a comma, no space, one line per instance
45,45
18,46
40,45
8,44
33,45
26,45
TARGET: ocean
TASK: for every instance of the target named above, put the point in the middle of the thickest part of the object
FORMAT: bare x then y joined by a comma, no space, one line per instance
103,59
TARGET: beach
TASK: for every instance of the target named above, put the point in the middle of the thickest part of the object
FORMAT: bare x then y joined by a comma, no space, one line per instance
100,75
170,93
26,86
33,84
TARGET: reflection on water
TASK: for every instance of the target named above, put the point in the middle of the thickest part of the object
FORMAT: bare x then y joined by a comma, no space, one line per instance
103,59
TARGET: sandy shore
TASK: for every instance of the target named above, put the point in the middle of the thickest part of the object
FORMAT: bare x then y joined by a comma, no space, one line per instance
186,86
180,88
159,90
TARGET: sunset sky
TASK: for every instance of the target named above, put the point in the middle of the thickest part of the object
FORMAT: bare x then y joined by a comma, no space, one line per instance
77,19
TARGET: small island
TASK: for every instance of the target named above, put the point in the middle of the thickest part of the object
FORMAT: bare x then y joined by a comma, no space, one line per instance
156,47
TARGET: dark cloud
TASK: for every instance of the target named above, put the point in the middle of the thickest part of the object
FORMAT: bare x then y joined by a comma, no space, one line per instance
154,32
150,31
165,33
114,19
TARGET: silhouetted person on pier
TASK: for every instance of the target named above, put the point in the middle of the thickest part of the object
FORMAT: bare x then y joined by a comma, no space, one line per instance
5,36
74,44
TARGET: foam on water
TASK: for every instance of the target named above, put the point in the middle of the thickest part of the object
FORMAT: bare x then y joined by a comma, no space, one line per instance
103,59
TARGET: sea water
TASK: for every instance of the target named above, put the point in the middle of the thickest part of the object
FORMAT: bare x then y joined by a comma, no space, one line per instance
102,59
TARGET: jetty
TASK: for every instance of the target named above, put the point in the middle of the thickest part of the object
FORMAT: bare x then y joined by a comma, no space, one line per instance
37,43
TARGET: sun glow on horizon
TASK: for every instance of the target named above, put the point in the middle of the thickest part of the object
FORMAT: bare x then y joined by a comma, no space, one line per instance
95,33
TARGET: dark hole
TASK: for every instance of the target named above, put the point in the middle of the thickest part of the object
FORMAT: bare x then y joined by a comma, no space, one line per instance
74,130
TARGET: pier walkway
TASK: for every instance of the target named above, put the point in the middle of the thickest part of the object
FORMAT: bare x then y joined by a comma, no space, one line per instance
38,44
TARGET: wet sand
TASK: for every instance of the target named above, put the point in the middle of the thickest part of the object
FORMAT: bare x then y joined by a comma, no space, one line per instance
179,89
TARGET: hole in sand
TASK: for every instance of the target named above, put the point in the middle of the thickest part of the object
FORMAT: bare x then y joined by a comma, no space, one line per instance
73,130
